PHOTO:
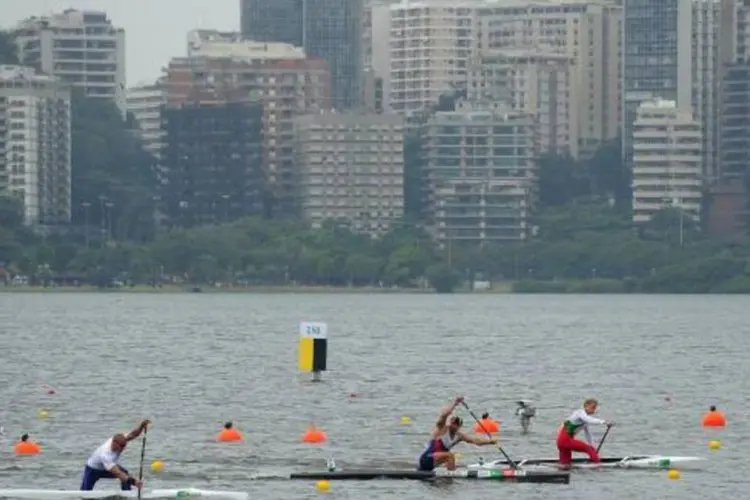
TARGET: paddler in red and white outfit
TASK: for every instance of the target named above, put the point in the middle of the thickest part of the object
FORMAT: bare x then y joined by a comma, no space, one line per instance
566,440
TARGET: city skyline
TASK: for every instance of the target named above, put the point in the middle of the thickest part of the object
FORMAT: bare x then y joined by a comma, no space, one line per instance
150,42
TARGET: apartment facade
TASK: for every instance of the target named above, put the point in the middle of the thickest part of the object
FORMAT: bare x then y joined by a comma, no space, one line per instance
535,81
667,160
333,32
589,32
326,29
212,159
657,59
431,44
734,108
35,144
81,48
376,46
281,77
706,20
145,103
279,21
351,168
480,175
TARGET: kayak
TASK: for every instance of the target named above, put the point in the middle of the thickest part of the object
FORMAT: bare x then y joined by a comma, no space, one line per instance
629,462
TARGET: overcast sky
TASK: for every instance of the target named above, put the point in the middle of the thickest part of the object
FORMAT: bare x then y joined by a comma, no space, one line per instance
155,30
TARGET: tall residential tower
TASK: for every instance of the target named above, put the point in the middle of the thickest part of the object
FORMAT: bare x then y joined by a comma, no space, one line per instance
81,48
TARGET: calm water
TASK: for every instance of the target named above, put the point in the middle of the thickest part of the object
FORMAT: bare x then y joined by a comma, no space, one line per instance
190,362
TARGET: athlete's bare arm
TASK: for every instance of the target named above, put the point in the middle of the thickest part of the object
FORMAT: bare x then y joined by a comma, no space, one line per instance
137,431
476,441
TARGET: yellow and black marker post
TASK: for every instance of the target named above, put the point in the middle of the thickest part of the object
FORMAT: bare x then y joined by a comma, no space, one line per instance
313,348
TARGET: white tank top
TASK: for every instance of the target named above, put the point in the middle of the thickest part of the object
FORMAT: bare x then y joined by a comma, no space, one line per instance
447,441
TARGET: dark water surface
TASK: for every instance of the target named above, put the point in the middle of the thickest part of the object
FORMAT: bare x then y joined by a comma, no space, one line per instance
191,362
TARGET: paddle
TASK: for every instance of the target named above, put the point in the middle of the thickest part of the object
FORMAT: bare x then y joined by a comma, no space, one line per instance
143,457
603,438
510,461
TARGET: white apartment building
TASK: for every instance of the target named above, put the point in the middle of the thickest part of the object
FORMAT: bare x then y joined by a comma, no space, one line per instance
431,44
480,174
81,48
145,103
667,160
351,169
534,81
376,48
35,144
589,32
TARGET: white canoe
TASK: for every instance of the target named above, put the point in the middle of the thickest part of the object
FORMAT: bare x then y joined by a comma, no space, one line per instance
186,493
631,462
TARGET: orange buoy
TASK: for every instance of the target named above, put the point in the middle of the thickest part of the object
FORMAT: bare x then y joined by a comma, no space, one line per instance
714,418
26,447
487,425
313,435
229,434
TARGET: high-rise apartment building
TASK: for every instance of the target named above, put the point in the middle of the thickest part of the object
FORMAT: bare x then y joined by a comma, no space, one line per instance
35,144
671,52
81,48
657,58
376,47
480,174
667,160
706,15
734,76
430,44
144,103
212,158
588,31
534,81
273,21
351,169
281,77
327,29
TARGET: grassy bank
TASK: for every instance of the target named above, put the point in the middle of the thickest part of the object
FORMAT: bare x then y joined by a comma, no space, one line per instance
738,285
280,289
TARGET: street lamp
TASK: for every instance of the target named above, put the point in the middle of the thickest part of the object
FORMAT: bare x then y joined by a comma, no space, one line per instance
109,206
225,197
102,214
86,205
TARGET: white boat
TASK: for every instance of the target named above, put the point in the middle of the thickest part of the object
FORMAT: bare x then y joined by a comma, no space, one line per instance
630,462
117,494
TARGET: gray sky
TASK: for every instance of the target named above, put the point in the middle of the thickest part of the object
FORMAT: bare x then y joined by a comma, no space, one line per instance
155,30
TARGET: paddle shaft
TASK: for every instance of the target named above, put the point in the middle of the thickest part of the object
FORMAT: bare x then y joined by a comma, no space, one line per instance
603,438
143,458
510,460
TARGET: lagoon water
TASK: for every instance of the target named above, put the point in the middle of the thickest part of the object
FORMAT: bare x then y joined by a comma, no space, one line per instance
190,362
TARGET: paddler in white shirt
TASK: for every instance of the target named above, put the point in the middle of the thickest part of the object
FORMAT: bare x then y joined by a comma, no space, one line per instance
566,440
102,464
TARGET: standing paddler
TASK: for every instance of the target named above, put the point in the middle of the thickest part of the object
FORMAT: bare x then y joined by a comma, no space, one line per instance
103,463
446,435
566,441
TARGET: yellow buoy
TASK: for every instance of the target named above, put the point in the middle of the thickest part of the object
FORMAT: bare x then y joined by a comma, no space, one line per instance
673,474
322,485
157,466
405,420
714,444
43,414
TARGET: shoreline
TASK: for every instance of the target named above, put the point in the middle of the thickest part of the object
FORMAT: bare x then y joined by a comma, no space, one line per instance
267,289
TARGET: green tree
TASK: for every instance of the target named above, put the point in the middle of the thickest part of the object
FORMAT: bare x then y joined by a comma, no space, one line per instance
111,167
443,278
